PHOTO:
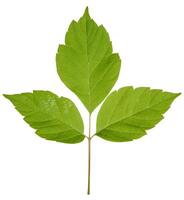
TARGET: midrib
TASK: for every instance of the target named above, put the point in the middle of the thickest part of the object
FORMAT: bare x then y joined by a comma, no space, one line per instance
133,114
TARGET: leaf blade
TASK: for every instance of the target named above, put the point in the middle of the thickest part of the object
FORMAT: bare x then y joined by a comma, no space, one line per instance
127,113
54,118
85,59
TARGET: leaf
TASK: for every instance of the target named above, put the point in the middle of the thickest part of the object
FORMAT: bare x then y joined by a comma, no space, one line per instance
86,63
127,113
54,118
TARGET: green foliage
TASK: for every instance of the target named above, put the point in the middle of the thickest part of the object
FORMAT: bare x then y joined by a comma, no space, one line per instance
128,112
86,63
54,118
88,67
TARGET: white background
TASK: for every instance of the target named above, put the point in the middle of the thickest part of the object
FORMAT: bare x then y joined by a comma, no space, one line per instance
149,35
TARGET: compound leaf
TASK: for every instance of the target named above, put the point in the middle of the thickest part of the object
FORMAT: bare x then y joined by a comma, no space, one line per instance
54,118
86,63
127,113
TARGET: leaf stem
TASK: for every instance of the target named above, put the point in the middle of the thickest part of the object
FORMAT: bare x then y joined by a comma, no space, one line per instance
89,155
92,136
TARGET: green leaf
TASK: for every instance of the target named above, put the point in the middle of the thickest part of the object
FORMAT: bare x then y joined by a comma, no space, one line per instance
54,118
86,63
127,113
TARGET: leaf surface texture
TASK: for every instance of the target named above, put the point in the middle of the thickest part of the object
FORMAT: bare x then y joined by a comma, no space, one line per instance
127,113
86,63
54,118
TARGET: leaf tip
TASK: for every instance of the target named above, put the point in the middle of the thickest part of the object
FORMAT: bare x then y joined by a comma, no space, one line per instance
86,12
178,94
6,96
